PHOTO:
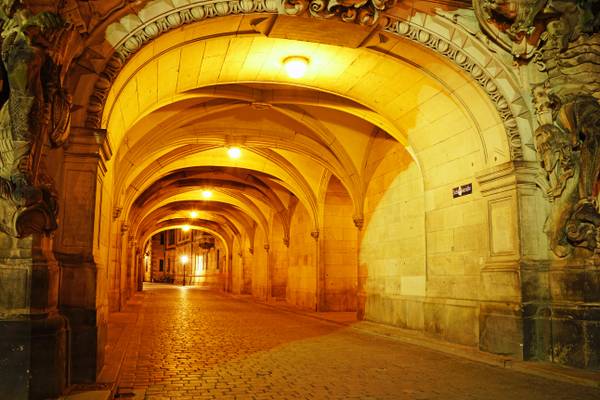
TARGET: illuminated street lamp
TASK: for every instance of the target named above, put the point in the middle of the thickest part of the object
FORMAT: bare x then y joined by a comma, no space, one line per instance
184,260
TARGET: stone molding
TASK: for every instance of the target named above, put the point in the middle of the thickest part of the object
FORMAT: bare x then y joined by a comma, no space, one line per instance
507,176
486,74
362,12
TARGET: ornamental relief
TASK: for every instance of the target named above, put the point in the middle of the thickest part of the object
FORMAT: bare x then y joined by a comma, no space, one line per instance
362,12
35,112
562,40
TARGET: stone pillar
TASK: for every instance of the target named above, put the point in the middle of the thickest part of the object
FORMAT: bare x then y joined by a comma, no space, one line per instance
269,278
515,238
320,282
33,338
141,270
361,273
79,250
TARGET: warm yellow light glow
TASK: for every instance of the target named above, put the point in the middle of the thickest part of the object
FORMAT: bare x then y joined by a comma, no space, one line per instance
194,214
185,228
207,194
295,66
234,152
184,259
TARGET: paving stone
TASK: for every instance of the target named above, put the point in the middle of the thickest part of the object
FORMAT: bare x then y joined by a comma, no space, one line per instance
197,344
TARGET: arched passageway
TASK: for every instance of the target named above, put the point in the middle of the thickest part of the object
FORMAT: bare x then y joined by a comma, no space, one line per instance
394,177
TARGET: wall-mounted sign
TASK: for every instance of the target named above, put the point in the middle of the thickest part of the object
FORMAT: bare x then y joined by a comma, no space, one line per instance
462,190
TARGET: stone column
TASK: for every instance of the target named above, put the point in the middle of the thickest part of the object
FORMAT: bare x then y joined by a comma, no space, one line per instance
33,338
515,239
361,274
141,270
320,282
268,277
81,255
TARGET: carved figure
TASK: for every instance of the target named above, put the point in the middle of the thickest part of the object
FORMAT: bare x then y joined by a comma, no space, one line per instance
562,38
36,110
513,24
570,153
363,12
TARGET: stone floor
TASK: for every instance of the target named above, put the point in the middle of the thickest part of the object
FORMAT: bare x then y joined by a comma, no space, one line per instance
196,344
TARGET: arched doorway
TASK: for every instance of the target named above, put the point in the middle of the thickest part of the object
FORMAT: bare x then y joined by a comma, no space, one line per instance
397,116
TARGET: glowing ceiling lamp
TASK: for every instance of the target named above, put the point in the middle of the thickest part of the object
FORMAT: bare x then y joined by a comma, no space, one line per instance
184,259
185,228
194,214
234,152
295,66
207,194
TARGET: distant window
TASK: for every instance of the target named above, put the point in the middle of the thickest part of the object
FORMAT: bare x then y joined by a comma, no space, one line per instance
161,265
218,259
171,237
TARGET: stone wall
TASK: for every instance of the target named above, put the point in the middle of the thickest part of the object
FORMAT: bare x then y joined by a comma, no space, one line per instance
279,260
260,267
339,250
302,271
392,245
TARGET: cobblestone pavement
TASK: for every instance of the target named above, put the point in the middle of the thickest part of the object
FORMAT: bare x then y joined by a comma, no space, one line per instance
195,344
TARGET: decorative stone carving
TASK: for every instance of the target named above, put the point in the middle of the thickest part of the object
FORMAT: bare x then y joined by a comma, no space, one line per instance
363,12
561,38
521,26
37,110
315,235
359,222
568,111
512,24
117,212
569,150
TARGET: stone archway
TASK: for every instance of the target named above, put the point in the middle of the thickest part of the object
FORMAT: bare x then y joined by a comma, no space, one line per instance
465,122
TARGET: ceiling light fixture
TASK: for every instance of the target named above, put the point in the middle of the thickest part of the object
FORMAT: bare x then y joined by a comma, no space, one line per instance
234,152
185,228
207,194
295,66
194,214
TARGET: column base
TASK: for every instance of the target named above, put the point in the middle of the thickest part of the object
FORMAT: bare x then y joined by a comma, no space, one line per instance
87,340
33,362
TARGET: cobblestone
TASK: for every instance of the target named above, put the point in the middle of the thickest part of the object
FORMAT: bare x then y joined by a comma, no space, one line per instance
196,344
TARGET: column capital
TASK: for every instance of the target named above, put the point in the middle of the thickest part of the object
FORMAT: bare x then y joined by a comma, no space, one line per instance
508,176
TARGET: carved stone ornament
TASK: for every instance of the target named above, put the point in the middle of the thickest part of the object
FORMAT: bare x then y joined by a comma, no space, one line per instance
362,12
568,139
36,111
569,148
512,24
519,26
